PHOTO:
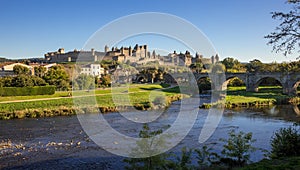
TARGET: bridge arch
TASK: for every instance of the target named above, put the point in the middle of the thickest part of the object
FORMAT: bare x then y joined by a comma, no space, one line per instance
142,78
295,85
204,83
275,80
230,78
296,109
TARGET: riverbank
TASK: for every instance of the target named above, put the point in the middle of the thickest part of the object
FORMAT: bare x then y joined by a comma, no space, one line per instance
61,143
142,97
265,97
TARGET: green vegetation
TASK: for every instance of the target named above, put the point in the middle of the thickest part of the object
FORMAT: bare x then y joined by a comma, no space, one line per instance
27,91
148,147
236,153
141,97
286,142
266,96
292,163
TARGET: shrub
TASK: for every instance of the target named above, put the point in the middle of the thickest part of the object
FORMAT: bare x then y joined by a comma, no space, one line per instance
27,91
237,148
286,142
160,100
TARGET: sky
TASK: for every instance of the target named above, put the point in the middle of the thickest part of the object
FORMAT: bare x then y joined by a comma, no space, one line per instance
31,28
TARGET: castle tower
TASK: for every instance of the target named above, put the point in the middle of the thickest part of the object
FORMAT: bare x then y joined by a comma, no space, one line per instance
213,59
153,54
106,48
61,51
217,58
122,50
130,51
93,52
145,50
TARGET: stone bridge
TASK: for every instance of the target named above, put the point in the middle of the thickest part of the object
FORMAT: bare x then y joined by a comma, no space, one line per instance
289,81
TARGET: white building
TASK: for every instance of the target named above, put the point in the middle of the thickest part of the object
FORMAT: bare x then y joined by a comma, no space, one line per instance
92,69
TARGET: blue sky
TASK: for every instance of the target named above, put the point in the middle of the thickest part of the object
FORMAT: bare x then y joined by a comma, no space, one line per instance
236,28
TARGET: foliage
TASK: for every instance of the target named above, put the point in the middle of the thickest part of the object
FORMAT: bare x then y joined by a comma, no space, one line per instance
275,164
204,84
160,100
18,69
182,162
27,91
255,66
206,157
286,142
146,147
237,148
236,82
22,81
231,64
105,80
58,77
286,36
84,82
217,68
39,71
197,67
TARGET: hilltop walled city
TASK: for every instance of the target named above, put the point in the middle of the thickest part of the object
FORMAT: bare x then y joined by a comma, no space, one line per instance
139,55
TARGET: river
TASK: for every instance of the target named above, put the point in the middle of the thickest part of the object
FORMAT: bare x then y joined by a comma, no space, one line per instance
61,143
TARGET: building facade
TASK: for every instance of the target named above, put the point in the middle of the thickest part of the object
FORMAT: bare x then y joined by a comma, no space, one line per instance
92,69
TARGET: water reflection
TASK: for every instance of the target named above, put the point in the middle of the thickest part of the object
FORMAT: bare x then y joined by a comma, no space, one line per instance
285,112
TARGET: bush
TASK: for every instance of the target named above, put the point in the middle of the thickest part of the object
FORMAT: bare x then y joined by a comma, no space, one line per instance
160,100
236,151
27,91
286,142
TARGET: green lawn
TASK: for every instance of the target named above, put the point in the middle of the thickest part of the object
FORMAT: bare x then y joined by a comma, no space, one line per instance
239,94
138,94
12,98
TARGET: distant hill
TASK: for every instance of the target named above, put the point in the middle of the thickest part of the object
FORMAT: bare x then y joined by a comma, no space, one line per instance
2,60
31,60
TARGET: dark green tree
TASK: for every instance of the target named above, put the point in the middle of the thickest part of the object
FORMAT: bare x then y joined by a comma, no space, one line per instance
105,80
237,148
85,82
58,77
286,142
39,71
231,63
146,147
18,69
22,81
255,66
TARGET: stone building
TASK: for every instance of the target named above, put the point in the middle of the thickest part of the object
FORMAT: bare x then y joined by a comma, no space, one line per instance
137,53
92,69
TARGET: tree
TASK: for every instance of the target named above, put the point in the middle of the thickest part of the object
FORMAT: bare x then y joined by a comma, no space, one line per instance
57,76
286,142
217,68
145,147
39,71
105,80
231,63
18,69
254,66
22,81
85,82
286,36
197,66
237,148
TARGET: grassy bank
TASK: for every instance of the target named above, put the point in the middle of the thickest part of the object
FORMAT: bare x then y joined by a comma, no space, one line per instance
266,96
141,97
